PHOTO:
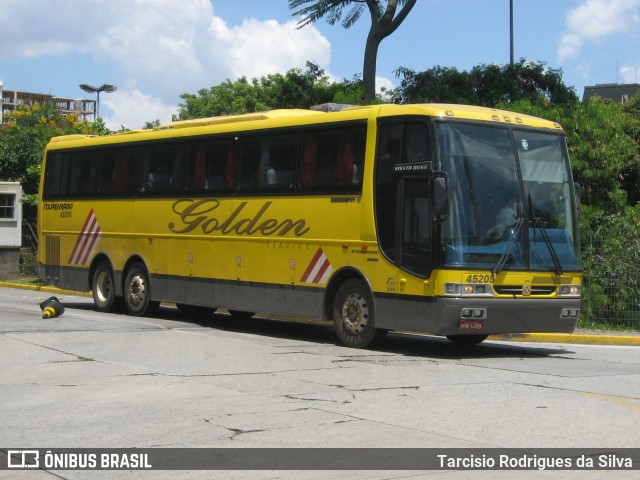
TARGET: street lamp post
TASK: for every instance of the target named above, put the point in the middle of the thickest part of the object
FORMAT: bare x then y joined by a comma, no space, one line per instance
105,87
511,29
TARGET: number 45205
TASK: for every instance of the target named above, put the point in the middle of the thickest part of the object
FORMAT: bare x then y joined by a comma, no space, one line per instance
480,279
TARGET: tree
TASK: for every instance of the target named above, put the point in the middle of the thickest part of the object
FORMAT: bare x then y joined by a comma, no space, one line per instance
22,142
295,89
599,148
631,171
486,85
384,21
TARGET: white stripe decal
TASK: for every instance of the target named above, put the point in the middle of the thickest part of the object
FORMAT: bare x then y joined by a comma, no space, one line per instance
318,270
87,241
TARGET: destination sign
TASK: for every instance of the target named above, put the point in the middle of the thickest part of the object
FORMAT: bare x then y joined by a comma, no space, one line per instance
412,168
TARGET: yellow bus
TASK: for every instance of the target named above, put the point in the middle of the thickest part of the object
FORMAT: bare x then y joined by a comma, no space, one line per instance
449,220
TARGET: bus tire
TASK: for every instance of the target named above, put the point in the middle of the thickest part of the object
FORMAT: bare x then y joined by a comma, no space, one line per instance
137,292
466,340
241,315
353,315
103,288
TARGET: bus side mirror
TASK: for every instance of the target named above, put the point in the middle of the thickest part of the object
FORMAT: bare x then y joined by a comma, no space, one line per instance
440,189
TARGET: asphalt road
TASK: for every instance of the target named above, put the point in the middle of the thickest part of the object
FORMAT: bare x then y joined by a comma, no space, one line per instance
93,380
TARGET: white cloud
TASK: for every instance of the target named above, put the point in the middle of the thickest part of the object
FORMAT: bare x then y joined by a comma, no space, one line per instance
595,20
157,48
256,48
133,108
630,73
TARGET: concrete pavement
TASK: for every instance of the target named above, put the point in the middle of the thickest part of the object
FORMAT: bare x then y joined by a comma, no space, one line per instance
580,336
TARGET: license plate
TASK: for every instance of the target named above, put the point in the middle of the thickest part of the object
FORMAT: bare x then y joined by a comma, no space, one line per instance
470,325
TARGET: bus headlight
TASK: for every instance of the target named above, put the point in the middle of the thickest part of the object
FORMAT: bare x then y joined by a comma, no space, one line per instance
570,291
468,290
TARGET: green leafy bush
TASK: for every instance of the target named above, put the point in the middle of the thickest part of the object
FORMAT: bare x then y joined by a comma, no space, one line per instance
611,256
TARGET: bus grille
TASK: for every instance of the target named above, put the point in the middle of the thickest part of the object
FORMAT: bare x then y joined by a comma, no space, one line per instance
52,267
519,290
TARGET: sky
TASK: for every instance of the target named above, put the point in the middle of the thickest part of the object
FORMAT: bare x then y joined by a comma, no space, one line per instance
156,50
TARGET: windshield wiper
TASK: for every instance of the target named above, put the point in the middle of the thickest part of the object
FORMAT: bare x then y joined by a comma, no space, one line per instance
537,224
512,240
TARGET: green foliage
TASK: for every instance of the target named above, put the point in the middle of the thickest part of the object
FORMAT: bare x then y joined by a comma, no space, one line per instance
22,142
611,256
295,89
600,150
486,85
151,125
28,265
631,170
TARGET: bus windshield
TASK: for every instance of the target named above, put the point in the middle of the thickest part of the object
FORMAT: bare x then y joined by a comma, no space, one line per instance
511,197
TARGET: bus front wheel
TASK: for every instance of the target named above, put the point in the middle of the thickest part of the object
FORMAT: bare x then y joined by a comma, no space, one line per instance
103,288
354,315
137,292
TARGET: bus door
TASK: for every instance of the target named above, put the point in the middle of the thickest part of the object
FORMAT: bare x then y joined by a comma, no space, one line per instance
414,237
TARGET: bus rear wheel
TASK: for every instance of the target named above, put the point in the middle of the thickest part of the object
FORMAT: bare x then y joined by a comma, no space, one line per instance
137,292
354,315
103,288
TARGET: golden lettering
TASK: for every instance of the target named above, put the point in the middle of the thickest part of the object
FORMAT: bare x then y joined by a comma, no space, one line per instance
201,214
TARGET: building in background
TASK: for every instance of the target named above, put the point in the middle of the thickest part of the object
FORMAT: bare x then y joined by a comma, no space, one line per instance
10,228
12,99
618,92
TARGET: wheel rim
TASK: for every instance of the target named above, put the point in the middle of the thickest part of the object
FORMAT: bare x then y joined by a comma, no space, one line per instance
137,291
104,287
355,313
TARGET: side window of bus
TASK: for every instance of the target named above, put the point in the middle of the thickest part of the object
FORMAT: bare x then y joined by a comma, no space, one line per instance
83,174
53,183
161,168
119,172
332,160
210,166
249,152
280,161
388,154
402,202
267,163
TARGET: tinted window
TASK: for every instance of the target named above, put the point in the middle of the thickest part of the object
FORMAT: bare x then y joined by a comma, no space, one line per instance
162,168
332,160
210,166
399,142
119,171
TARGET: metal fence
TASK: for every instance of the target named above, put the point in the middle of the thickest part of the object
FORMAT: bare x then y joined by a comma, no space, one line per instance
611,287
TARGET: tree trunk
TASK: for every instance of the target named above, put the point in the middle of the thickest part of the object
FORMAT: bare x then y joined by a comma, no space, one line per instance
381,27
369,68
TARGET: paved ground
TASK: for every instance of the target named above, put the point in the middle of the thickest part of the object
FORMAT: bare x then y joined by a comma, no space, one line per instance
580,336
88,379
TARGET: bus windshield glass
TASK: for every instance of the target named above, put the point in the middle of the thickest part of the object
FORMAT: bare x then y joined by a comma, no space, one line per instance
511,197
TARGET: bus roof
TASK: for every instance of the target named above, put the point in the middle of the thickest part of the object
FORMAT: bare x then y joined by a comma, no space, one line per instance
291,117
247,117
468,112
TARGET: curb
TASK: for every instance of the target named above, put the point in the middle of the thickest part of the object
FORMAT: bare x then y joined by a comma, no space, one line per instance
43,288
572,338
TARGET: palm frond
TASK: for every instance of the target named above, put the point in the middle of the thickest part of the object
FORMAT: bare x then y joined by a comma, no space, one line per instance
313,10
353,16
